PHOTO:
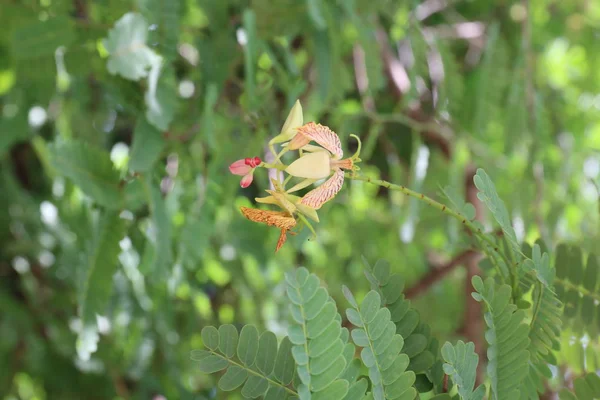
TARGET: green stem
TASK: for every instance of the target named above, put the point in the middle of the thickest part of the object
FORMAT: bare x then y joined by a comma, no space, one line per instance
277,166
537,306
569,285
435,204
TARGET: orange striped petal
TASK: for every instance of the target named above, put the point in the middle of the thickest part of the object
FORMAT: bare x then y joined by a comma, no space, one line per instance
323,136
280,219
327,191
281,240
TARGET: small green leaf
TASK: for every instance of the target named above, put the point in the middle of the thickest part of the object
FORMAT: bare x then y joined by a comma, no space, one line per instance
42,38
349,296
254,386
161,239
336,391
210,337
381,271
369,306
97,279
89,168
267,352
161,98
228,340
248,344
284,364
275,393
212,363
147,146
233,378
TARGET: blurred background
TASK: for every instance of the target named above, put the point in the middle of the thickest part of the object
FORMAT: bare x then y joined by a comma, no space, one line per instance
120,230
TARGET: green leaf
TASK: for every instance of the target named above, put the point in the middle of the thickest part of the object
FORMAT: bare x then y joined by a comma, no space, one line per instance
130,56
381,351
406,319
208,123
42,38
267,352
97,282
164,15
316,333
315,11
457,201
148,144
210,337
228,340
489,196
585,387
160,235
233,378
89,168
256,360
461,366
369,306
255,386
248,344
358,390
161,98
212,363
250,55
508,339
323,62
540,265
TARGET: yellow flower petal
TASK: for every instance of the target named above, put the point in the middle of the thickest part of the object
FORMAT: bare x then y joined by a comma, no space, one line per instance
308,211
292,122
266,200
325,192
311,166
324,137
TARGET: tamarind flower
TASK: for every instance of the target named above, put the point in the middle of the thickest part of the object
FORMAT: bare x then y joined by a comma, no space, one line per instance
280,219
245,168
319,163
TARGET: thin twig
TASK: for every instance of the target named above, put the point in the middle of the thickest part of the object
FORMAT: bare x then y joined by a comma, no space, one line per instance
438,273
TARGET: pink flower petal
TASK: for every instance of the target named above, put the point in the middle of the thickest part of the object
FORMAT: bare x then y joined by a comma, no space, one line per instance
247,179
325,192
323,136
240,168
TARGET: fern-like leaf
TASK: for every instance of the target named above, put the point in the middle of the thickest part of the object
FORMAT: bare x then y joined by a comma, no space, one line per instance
316,334
159,237
42,38
147,146
376,334
418,344
164,15
545,324
89,168
249,359
584,387
96,279
489,196
578,288
461,366
507,337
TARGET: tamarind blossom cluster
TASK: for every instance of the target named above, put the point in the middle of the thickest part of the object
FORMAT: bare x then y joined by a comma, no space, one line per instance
315,162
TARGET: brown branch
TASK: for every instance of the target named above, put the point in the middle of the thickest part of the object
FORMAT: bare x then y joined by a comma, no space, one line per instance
436,274
473,326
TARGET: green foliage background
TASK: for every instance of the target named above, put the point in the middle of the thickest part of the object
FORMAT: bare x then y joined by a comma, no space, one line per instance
120,235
